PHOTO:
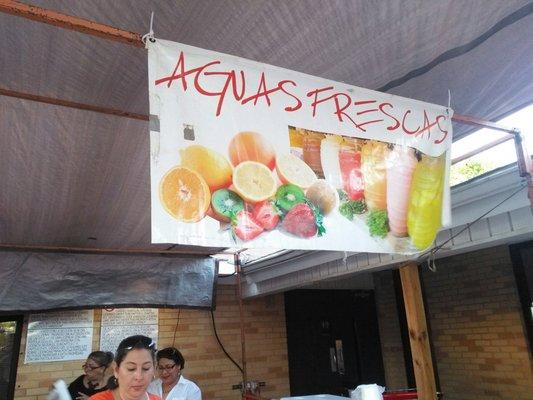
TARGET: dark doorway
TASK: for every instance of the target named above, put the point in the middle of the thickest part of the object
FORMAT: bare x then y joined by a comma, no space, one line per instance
333,341
10,333
404,330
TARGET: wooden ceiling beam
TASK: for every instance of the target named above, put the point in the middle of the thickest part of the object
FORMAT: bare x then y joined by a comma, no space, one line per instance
70,22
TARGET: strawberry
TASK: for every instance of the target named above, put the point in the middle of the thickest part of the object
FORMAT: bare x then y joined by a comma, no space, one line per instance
300,221
245,226
265,215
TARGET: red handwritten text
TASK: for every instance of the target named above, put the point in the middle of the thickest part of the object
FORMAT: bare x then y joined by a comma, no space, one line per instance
208,80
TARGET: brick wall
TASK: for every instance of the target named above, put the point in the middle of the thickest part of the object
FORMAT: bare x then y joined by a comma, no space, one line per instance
205,363
477,330
389,331
476,327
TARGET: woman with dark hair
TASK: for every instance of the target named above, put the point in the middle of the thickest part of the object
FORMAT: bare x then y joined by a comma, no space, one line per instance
133,372
171,385
94,379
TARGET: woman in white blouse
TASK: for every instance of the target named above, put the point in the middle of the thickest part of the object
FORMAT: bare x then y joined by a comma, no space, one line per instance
171,385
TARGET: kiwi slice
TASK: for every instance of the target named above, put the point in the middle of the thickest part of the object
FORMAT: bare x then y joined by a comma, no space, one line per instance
288,196
226,203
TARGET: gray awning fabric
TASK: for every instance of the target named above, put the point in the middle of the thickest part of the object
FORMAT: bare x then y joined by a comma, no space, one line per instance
32,282
81,179
490,81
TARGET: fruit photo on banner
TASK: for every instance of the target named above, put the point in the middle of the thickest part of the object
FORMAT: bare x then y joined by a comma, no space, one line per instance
393,191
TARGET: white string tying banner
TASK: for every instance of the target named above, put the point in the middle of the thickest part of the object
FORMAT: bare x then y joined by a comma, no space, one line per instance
150,34
431,262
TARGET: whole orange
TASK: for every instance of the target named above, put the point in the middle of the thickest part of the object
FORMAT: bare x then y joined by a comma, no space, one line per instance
251,146
211,165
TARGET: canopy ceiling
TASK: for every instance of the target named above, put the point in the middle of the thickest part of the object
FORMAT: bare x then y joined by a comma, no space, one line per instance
81,179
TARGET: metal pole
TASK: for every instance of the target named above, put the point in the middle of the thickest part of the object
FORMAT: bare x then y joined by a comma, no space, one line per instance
89,250
468,120
65,21
89,27
482,148
523,159
238,270
525,168
72,104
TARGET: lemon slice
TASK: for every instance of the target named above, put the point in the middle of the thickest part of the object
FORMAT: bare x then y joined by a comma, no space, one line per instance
254,181
292,169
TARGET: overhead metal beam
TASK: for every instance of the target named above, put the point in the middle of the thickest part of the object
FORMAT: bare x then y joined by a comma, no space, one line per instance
523,159
89,27
482,148
70,22
89,250
108,32
144,117
482,123
72,104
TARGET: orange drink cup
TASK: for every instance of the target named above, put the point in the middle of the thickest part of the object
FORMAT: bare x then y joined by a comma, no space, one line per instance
350,165
311,152
374,170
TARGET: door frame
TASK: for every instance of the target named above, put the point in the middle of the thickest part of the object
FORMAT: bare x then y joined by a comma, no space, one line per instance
19,319
519,271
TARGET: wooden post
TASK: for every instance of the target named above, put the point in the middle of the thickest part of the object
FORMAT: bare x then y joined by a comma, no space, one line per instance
418,333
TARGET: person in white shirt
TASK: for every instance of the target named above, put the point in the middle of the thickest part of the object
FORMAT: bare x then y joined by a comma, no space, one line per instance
171,385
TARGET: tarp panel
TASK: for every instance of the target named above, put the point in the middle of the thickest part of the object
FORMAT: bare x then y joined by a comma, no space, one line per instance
67,177
363,43
32,282
495,78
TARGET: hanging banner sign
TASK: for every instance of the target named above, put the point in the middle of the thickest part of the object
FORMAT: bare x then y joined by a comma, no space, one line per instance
252,155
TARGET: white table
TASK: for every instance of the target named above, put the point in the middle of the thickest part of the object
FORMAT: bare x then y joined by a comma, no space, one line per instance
315,397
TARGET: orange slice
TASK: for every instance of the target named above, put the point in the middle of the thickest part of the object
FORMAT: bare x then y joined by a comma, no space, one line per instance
254,181
292,169
184,194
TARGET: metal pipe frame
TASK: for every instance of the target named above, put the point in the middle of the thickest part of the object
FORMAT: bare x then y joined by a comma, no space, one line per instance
90,250
70,22
513,133
482,148
482,123
89,27
72,104
238,270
